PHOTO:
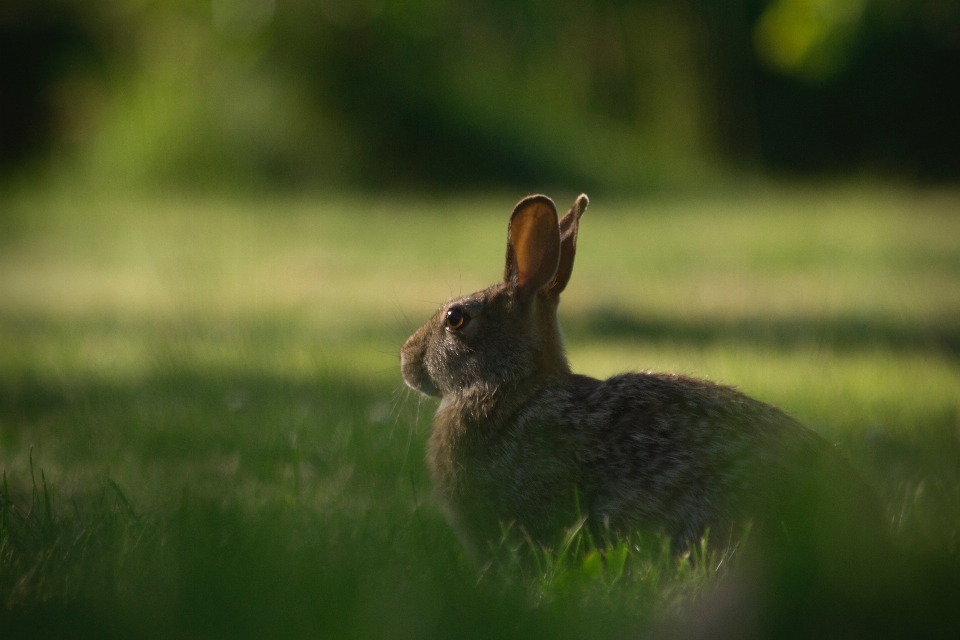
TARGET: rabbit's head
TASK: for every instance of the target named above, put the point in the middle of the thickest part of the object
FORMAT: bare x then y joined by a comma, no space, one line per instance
506,333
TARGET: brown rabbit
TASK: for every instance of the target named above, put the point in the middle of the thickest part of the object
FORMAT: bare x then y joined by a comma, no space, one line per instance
520,439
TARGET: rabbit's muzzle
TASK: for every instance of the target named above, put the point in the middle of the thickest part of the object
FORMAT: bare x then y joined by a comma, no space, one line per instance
413,369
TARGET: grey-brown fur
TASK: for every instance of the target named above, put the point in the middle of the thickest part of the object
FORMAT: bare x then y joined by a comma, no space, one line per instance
519,438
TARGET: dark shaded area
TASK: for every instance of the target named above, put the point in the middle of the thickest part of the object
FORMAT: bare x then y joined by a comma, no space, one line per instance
842,333
610,95
182,419
42,44
894,110
888,107
913,599
213,569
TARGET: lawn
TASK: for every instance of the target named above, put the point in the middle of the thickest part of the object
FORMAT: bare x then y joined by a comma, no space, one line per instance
204,432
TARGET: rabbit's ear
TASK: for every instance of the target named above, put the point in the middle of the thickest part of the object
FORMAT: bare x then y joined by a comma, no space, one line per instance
533,245
568,245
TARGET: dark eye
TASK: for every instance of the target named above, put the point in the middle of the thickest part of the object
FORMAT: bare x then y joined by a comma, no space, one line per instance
456,319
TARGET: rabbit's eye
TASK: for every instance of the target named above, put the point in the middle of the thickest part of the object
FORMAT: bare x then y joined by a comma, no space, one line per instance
456,319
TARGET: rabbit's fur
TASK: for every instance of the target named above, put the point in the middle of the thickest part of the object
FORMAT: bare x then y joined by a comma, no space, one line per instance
520,439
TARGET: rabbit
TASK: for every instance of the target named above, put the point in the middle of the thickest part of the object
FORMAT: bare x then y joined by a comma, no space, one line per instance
518,438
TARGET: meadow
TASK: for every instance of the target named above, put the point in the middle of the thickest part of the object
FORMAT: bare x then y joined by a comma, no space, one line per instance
204,433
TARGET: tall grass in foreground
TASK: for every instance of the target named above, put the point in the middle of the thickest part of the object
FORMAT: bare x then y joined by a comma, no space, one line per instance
203,432
214,567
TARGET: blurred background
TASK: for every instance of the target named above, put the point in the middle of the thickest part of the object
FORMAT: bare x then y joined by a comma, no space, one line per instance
606,96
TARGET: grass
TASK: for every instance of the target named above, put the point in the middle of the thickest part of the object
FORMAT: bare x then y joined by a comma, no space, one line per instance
203,431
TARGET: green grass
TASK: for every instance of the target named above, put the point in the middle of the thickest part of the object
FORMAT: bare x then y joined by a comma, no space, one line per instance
204,433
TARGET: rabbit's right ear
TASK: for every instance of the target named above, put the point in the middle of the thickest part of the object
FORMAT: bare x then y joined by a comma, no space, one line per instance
533,245
569,224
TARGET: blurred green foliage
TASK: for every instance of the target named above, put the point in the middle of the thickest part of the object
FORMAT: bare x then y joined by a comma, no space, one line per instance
611,95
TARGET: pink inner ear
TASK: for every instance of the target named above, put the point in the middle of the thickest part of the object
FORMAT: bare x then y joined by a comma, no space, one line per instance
535,235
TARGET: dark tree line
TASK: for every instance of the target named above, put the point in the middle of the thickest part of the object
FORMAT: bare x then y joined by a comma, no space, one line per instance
615,95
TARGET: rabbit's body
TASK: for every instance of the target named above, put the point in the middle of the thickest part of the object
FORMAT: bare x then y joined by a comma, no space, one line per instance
639,450
520,439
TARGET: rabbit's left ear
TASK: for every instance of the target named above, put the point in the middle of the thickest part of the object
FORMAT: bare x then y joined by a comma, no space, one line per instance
533,245
569,224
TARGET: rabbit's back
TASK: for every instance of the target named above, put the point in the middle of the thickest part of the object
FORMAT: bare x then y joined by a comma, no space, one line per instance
680,454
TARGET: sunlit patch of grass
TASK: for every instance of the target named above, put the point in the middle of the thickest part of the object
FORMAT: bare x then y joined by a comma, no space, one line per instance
640,573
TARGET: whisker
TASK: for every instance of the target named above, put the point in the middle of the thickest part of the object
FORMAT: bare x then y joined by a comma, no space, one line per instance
403,313
397,399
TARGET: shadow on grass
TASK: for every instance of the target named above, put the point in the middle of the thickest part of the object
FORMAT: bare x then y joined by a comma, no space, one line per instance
839,333
258,426
233,565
